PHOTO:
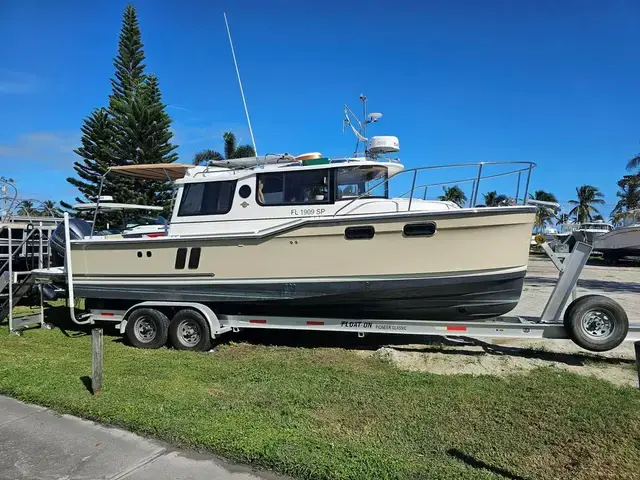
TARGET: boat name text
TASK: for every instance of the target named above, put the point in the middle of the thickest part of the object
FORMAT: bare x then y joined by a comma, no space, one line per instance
307,211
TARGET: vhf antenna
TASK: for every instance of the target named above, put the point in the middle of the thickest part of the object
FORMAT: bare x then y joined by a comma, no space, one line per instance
244,101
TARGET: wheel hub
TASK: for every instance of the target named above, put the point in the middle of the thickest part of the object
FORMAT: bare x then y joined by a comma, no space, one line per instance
189,333
145,330
597,323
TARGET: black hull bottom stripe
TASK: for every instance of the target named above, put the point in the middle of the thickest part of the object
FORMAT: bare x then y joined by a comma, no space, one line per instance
459,299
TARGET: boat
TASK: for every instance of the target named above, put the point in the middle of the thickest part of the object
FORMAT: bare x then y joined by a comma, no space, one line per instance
586,232
623,241
137,226
316,236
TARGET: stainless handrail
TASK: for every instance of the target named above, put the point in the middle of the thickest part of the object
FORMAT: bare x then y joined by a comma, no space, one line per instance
529,167
467,180
9,263
11,252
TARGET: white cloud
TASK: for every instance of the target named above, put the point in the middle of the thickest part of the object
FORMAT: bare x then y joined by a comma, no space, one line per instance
18,83
177,107
49,149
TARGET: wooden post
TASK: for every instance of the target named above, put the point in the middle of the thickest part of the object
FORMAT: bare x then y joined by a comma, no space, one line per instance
96,349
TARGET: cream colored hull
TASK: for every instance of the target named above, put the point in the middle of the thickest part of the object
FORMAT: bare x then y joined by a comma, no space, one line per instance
472,252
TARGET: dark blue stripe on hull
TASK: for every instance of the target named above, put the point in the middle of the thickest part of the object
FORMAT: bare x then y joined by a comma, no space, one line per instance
459,299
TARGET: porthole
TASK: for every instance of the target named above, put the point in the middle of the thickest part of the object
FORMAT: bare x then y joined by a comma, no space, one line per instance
245,191
427,229
359,233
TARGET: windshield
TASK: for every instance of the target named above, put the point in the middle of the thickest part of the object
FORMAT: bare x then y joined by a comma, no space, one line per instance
355,181
145,220
595,226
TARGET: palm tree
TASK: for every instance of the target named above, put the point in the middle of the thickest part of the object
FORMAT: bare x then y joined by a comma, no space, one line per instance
588,196
544,214
629,193
26,208
634,163
598,218
231,150
50,208
453,194
562,219
492,199
617,217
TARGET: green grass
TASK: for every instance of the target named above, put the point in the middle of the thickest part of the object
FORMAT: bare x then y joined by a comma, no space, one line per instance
327,413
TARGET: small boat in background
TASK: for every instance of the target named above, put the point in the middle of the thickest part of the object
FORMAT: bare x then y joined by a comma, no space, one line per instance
621,242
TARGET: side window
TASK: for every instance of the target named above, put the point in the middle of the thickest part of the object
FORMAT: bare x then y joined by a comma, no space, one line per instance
293,188
207,198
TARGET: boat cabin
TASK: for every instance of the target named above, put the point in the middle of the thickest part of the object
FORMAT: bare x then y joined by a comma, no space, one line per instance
218,200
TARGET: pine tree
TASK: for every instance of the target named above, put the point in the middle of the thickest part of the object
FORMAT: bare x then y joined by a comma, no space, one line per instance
134,129
143,136
129,64
96,152
141,125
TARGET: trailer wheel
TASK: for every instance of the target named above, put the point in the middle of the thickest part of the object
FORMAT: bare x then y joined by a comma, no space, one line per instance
190,331
596,323
147,328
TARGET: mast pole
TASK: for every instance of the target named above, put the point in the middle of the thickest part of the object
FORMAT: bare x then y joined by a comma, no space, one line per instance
244,101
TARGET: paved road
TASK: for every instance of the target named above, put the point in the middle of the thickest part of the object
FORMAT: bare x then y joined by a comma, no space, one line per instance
36,443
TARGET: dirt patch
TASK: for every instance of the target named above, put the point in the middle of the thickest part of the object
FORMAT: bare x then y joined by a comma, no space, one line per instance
510,357
503,357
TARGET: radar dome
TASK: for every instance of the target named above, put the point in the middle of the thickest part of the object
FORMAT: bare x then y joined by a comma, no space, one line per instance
384,144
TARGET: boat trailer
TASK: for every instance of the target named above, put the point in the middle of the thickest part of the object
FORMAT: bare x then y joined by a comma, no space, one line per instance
593,322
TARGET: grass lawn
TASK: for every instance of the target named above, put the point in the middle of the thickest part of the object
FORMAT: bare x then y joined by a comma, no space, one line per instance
329,413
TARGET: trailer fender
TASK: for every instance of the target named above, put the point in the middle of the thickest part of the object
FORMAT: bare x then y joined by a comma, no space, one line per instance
205,311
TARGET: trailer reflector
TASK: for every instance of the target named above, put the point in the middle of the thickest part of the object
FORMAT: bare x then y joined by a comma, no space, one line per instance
257,321
456,328
107,314
314,322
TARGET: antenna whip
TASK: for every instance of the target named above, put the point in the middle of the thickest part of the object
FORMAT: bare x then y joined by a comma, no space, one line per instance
235,62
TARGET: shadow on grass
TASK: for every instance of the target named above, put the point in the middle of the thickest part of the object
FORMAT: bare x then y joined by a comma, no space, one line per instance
480,465
59,318
86,381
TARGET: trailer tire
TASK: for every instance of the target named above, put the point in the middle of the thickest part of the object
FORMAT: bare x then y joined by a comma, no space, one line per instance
147,328
190,331
596,323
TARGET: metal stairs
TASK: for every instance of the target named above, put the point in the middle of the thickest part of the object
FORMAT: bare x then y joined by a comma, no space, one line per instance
14,286
18,291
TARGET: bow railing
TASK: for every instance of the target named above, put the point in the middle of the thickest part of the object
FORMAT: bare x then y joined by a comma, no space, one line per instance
517,169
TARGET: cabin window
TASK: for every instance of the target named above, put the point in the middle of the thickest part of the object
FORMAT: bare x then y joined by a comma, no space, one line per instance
206,198
355,181
293,188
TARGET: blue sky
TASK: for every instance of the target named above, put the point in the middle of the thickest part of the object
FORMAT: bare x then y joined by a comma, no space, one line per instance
551,82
